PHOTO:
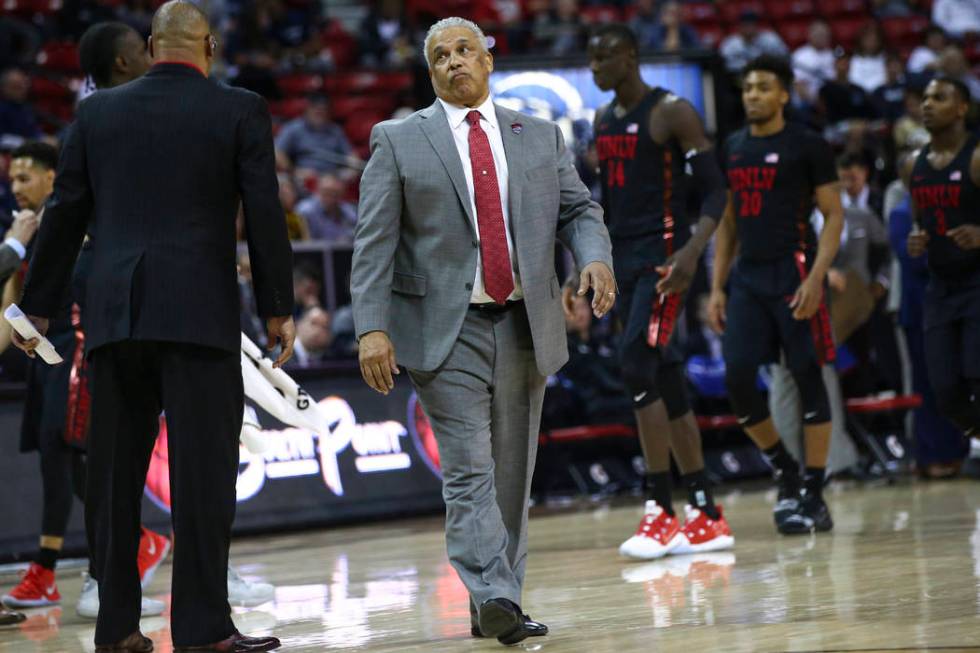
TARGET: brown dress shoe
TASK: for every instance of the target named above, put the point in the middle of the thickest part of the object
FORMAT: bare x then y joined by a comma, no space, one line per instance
237,643
9,618
135,643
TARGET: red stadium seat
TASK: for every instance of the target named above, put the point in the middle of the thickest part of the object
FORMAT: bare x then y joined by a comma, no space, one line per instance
780,10
340,44
358,127
904,30
834,8
794,32
288,109
59,56
300,84
710,35
697,13
344,107
599,14
846,30
43,88
730,11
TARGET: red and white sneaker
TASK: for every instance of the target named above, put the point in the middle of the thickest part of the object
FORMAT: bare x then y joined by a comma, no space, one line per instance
36,589
656,536
153,551
701,533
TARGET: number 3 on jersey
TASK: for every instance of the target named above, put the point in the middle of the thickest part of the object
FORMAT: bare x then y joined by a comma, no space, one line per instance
617,176
750,203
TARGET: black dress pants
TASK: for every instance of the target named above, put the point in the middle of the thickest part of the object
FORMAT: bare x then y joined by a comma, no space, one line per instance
200,391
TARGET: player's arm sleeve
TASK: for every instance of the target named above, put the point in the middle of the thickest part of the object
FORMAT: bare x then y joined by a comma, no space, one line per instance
62,230
708,178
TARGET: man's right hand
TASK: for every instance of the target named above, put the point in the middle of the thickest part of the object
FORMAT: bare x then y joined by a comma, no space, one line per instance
24,227
281,330
917,241
377,358
716,310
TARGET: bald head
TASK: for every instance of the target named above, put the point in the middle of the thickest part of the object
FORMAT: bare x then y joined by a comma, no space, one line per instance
181,32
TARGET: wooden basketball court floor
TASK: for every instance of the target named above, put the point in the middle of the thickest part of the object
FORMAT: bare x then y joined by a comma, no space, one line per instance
901,572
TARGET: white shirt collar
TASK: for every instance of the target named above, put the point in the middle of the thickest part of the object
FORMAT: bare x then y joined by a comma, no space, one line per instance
457,115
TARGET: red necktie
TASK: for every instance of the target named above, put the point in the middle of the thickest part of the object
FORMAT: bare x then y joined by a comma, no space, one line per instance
497,277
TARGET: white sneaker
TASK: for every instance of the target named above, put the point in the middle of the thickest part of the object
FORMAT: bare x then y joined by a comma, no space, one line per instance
247,593
88,601
657,535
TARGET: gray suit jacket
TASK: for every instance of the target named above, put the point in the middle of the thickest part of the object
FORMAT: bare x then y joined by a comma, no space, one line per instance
865,231
415,245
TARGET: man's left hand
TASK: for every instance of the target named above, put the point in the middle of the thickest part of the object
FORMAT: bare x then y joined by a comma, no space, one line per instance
677,272
281,330
806,301
599,277
28,346
966,236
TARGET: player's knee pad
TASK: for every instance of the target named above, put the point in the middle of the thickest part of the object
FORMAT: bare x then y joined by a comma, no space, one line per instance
638,365
955,403
672,386
813,395
749,402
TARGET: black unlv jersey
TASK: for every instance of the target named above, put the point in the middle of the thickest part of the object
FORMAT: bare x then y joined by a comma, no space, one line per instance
945,199
773,179
644,184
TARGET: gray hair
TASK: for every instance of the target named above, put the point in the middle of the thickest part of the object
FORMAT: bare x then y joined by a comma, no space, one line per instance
446,23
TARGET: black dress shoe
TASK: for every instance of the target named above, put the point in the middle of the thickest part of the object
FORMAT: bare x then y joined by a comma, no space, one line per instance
237,643
503,619
9,618
534,628
135,643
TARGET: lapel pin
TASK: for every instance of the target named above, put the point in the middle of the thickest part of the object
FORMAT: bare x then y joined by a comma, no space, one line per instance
516,127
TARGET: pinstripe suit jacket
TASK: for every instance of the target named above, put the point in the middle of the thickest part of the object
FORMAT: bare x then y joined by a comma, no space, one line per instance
415,245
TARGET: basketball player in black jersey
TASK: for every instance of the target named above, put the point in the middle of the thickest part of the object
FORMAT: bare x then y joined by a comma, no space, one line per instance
646,138
774,304
944,178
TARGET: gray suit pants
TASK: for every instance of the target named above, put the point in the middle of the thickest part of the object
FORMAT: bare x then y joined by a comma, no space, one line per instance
484,404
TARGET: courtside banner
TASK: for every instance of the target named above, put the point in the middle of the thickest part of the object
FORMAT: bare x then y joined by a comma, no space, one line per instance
373,457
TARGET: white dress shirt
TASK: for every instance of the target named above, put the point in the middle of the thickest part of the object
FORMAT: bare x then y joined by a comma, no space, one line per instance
461,134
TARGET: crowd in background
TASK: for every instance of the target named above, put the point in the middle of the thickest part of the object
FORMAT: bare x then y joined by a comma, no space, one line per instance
330,70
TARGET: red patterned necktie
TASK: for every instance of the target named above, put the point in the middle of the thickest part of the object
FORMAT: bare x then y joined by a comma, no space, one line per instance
497,277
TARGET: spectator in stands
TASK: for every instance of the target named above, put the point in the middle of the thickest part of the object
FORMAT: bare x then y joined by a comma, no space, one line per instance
957,17
256,71
813,63
592,373
645,21
953,64
295,223
312,144
138,14
314,338
889,98
385,37
670,33
842,100
328,216
562,30
925,57
749,42
19,42
17,120
307,287
909,133
868,63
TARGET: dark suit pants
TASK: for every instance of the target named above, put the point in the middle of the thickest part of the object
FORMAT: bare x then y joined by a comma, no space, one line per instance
200,391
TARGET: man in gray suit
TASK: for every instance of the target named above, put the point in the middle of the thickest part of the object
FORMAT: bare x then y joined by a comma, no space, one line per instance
453,268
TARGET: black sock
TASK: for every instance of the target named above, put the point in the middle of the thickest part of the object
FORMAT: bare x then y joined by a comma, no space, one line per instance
783,462
813,480
699,493
658,488
47,558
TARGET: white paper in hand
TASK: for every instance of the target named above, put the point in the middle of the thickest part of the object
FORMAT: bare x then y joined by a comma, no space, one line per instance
26,329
